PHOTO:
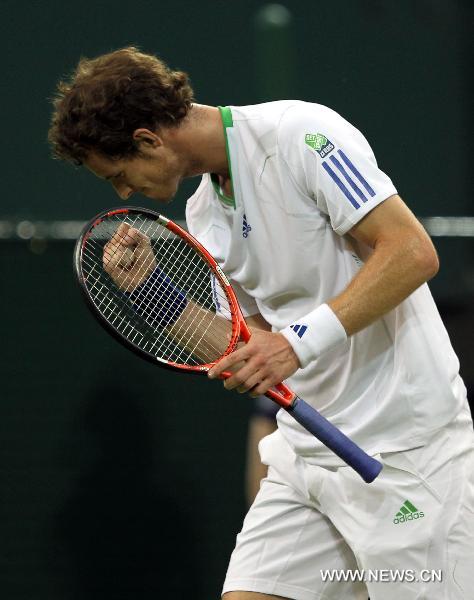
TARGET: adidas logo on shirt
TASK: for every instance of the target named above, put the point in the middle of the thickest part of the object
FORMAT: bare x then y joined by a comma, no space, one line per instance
407,512
246,229
299,329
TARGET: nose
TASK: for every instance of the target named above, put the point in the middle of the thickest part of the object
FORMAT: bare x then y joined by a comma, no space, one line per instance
123,190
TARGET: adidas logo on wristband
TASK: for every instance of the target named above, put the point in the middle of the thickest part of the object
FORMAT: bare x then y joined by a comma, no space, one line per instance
323,332
299,329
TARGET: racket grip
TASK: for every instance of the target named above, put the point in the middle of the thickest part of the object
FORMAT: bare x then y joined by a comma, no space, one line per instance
367,467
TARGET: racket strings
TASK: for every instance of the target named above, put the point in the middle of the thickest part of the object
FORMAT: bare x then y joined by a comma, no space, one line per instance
149,303
199,334
208,342
206,348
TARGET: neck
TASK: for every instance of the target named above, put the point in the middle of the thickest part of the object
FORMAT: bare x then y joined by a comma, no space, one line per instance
200,140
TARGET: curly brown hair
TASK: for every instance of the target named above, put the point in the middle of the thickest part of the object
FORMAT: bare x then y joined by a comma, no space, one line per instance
110,96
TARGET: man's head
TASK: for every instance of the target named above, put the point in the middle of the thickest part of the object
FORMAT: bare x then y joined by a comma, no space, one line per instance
108,98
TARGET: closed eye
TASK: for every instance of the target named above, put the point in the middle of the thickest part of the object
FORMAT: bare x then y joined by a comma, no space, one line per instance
117,176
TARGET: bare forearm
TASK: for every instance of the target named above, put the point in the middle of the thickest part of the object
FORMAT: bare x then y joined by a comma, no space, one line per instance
205,333
395,269
202,332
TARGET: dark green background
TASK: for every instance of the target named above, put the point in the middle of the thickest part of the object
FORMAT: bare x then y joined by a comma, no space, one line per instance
115,481
397,70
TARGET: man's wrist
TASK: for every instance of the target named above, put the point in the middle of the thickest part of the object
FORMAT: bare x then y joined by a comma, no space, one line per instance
315,334
158,300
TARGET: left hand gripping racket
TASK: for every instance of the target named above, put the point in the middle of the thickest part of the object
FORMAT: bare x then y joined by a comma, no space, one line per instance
159,292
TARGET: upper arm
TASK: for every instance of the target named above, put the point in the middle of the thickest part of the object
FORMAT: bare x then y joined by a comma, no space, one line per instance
392,224
339,171
391,218
333,164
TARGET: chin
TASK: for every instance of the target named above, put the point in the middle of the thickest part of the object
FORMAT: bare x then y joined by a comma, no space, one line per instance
160,196
157,196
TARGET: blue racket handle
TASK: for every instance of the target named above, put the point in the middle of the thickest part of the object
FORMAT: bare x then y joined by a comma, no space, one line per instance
367,467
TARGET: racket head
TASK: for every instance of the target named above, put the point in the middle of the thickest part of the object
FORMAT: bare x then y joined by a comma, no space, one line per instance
197,274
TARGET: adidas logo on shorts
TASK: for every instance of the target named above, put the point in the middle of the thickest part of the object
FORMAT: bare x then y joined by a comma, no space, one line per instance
407,512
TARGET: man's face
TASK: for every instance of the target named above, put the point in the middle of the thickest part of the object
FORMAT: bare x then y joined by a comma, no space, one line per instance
154,173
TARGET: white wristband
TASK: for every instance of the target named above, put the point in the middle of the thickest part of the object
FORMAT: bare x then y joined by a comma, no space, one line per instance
314,334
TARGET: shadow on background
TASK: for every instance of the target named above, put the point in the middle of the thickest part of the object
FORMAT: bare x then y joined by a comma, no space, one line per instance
123,534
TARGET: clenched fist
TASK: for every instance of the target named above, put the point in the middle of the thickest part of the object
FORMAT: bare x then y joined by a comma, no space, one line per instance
128,258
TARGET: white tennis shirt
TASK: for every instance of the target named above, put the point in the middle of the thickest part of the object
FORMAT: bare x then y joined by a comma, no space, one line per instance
302,176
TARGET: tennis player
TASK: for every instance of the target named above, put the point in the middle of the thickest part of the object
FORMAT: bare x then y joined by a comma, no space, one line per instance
332,265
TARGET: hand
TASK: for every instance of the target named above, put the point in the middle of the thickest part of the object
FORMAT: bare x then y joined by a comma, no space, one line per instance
128,257
267,359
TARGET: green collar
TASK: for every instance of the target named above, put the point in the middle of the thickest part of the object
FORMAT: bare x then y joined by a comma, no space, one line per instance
227,121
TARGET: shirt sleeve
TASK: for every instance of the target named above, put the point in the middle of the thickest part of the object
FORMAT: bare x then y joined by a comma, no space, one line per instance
332,162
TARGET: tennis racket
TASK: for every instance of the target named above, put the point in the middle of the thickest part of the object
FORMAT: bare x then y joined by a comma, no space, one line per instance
158,291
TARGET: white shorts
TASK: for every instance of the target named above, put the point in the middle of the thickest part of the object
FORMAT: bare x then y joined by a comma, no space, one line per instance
417,517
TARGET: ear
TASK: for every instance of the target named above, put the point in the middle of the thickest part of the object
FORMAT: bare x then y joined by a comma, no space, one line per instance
146,139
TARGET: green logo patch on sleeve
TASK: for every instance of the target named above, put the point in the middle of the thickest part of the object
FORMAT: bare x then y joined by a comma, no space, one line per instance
319,142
